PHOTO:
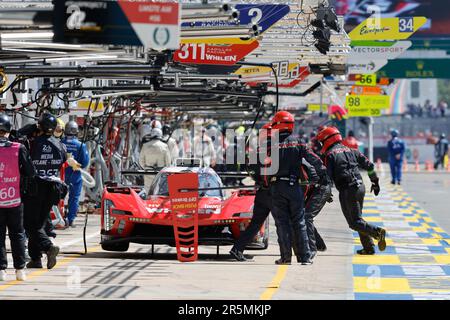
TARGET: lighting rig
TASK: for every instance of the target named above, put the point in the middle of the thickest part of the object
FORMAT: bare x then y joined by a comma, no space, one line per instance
325,21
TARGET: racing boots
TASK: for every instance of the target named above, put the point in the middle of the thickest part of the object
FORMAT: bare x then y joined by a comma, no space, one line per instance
238,255
51,256
34,264
307,261
381,239
366,252
282,261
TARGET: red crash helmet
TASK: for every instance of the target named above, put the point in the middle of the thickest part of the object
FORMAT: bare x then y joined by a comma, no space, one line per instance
265,133
283,121
328,136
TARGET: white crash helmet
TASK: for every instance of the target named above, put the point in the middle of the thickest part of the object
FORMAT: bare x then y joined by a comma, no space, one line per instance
156,133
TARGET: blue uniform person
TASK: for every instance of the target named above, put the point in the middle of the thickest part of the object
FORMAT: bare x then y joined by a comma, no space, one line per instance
396,149
73,175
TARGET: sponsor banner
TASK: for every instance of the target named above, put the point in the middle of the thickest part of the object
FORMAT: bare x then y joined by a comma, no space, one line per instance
365,66
367,101
242,41
387,28
416,68
380,52
202,53
366,91
297,75
157,24
366,80
263,15
290,74
84,105
436,11
183,202
149,24
364,112
382,81
316,107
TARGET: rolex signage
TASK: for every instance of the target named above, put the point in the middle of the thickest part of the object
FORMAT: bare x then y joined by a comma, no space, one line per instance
417,68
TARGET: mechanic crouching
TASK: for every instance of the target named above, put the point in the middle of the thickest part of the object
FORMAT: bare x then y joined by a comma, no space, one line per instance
45,190
72,177
343,166
15,163
263,200
287,194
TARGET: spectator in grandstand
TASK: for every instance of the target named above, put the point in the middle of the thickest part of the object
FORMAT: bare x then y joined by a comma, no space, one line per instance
443,106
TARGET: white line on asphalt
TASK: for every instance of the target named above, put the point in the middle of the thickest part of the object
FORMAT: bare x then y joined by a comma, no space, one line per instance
72,242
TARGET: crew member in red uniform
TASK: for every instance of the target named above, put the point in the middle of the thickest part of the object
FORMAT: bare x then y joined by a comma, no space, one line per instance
350,141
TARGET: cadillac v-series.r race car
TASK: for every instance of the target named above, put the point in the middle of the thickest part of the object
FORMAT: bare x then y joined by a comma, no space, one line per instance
129,214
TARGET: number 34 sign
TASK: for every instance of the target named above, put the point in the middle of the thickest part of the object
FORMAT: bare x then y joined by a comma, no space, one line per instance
387,28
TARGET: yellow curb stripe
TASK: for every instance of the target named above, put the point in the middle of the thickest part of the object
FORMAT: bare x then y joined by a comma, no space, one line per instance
275,283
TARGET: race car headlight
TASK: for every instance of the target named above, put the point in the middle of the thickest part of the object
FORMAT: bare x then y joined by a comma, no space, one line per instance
107,207
121,212
243,215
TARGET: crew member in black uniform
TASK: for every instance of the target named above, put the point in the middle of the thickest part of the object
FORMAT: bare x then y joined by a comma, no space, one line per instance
26,136
15,163
318,193
287,194
263,200
343,166
48,155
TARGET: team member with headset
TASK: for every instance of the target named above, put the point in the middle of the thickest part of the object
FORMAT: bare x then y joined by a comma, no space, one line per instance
287,194
44,190
15,163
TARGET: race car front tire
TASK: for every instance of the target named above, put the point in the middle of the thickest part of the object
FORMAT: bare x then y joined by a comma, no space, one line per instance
118,247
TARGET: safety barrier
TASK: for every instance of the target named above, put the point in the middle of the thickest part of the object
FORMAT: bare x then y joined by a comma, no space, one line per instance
379,164
429,167
405,166
417,166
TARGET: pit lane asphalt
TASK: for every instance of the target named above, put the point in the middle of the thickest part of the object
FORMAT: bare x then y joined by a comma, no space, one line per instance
432,192
137,274
336,273
415,248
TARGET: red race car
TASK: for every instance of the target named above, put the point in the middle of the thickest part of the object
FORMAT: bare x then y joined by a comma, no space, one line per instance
130,215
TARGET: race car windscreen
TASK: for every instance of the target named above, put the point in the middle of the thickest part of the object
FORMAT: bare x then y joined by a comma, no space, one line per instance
205,180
